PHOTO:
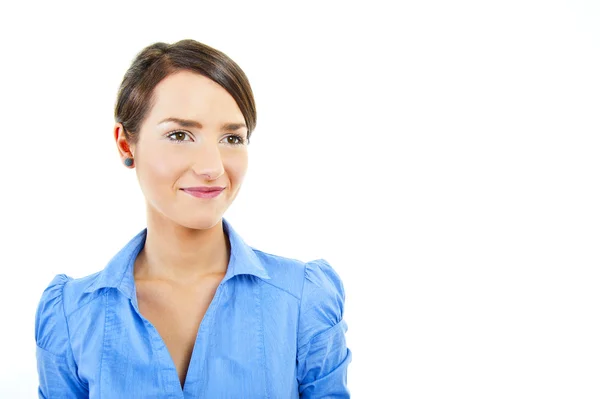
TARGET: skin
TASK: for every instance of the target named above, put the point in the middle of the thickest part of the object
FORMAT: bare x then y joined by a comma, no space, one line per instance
186,253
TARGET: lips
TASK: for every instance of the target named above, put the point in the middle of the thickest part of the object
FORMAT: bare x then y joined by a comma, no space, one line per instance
203,189
203,192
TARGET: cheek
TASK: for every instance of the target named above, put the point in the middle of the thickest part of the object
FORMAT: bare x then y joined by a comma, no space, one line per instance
160,167
237,167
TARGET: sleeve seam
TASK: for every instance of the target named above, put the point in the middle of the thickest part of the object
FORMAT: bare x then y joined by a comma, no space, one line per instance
64,357
300,310
317,337
71,357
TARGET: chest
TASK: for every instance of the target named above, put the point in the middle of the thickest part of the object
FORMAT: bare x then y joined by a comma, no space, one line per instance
245,346
176,312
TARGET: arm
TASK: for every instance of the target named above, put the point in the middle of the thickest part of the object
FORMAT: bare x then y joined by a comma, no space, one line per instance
323,356
55,363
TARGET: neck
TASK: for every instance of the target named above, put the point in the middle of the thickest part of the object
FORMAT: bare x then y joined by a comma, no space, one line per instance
180,254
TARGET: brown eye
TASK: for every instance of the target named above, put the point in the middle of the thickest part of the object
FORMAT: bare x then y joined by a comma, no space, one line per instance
177,136
235,140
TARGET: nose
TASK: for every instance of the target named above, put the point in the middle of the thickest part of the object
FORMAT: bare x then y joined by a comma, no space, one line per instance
208,162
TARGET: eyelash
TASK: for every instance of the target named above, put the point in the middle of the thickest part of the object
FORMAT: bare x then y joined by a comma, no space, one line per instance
240,138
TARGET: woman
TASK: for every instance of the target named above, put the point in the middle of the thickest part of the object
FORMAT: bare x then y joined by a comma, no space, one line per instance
186,309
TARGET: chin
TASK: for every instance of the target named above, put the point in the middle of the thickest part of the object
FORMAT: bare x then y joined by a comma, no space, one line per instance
201,222
197,218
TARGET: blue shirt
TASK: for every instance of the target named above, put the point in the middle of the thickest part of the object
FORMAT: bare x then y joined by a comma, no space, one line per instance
274,329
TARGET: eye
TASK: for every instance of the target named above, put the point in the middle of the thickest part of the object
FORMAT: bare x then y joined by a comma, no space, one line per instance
178,136
234,139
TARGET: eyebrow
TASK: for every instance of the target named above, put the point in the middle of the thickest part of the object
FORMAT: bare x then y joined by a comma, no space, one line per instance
198,125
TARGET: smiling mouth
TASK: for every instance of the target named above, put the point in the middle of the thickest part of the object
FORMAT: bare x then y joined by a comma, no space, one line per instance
204,192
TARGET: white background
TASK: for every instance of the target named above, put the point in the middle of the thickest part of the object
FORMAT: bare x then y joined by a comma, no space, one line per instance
441,155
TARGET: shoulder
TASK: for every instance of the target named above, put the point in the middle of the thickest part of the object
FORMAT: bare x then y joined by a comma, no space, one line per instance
284,273
322,303
322,355
62,296
298,276
315,284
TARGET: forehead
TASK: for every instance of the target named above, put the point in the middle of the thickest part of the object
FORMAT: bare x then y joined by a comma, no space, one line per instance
190,95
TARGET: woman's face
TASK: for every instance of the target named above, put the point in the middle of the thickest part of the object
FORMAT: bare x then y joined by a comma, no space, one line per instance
206,148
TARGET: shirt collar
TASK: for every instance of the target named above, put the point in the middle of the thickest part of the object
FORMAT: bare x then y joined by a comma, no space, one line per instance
118,273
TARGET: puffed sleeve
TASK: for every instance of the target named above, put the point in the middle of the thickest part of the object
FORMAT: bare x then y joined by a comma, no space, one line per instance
56,367
322,357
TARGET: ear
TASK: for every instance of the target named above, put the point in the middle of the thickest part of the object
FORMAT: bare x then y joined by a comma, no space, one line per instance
125,149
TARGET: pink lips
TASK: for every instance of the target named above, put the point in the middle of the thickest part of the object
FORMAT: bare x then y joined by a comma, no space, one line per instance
204,192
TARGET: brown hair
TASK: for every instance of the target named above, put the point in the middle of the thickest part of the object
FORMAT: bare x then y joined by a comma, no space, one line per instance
159,60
